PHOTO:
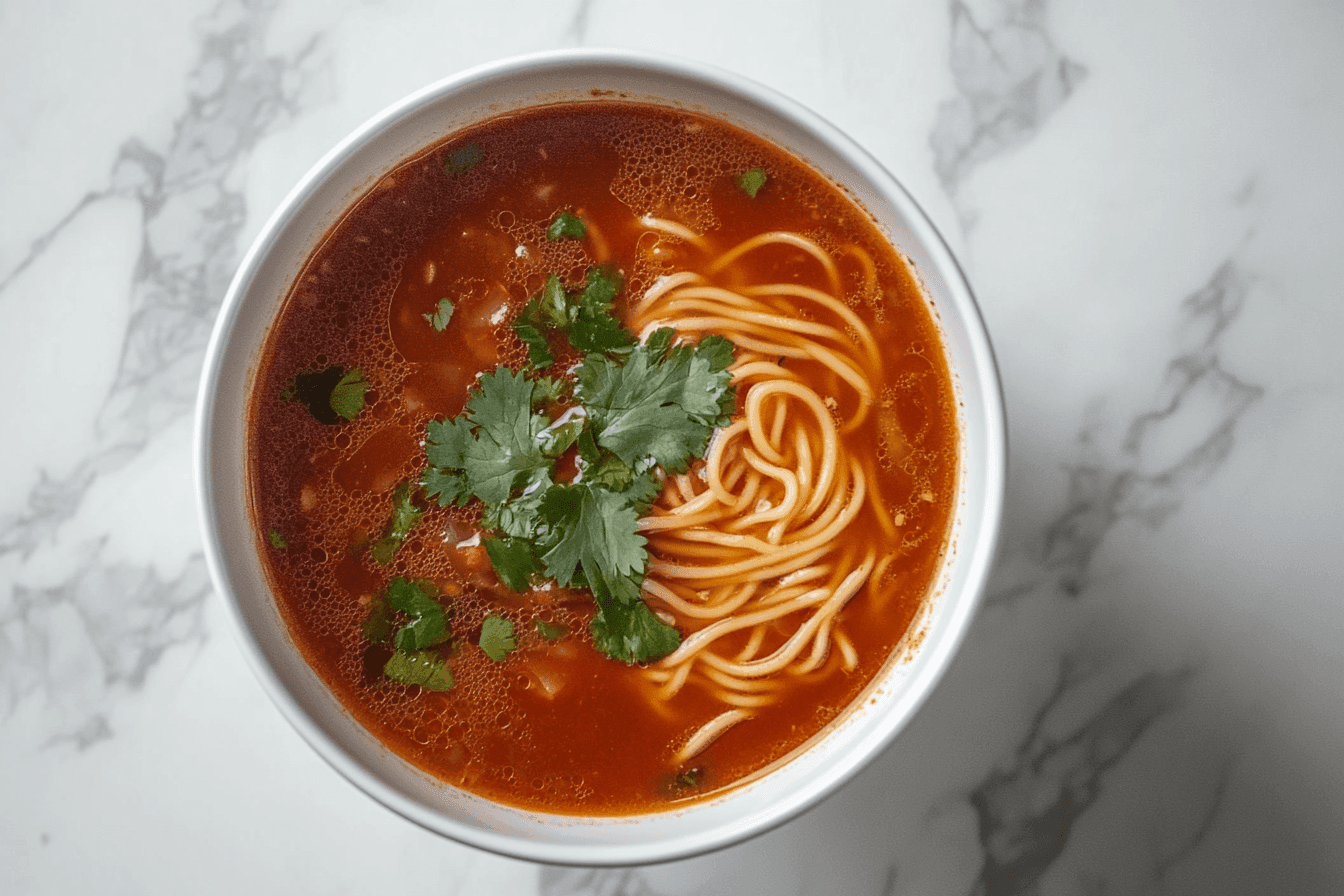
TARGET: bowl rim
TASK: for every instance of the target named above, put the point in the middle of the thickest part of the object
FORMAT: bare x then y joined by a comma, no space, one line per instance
979,555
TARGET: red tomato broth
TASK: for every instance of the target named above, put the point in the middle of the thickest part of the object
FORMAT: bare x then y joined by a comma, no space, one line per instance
600,744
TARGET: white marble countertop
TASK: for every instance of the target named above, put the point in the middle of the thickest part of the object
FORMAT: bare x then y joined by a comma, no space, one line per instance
1148,199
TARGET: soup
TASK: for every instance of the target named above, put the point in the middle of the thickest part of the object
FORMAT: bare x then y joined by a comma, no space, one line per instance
600,456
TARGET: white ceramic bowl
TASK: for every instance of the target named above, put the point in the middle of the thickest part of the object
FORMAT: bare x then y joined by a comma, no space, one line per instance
254,298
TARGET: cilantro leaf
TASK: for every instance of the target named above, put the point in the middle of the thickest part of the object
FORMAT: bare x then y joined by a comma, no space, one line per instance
566,225
602,285
497,637
594,328
463,159
405,514
625,628
277,539
597,530
447,486
420,667
331,394
550,631
583,316
599,331
532,335
446,441
514,561
609,472
490,450
378,624
439,317
557,438
518,516
506,448
661,409
429,623
546,389
347,398
751,181
677,784
659,342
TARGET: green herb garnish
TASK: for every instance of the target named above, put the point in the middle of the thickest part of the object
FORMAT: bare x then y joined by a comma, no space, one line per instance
422,667
513,559
405,514
428,625
583,315
566,225
331,395
277,539
463,159
497,637
347,398
439,317
640,408
492,448
752,181
550,631
685,780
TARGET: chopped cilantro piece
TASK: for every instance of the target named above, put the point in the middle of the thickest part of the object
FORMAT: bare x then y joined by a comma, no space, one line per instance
584,316
442,313
422,667
277,539
518,516
557,438
597,530
317,389
463,159
405,514
546,389
539,352
378,626
566,225
514,561
493,448
663,409
659,342
687,779
347,397
625,628
448,487
554,304
752,181
429,623
497,637
551,631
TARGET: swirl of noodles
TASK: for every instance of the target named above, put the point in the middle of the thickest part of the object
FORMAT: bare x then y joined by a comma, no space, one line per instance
754,552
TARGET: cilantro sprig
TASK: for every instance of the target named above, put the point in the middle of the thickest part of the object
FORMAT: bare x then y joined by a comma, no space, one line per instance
408,618
405,514
566,225
582,315
637,409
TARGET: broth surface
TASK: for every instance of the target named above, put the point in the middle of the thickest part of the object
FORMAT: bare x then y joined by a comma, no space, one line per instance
557,726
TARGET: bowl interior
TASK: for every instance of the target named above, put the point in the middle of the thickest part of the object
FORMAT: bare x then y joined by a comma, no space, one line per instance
255,297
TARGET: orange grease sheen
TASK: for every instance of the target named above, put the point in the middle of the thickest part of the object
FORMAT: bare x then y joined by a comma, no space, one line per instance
599,745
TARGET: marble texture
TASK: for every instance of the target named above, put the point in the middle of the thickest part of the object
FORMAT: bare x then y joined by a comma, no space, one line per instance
1148,200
